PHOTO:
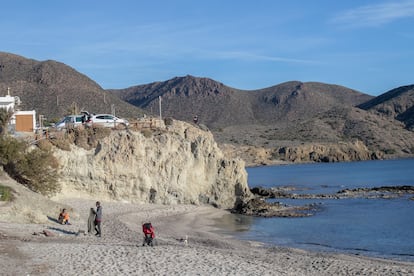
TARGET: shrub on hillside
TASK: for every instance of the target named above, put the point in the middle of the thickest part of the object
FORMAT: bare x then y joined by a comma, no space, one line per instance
61,143
168,121
86,138
6,193
45,145
389,151
31,166
89,137
5,116
146,132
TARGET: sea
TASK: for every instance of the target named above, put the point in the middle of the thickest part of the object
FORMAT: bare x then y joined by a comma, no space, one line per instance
374,227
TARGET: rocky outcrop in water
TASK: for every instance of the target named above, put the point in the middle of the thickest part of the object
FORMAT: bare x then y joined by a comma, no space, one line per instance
378,192
374,192
259,207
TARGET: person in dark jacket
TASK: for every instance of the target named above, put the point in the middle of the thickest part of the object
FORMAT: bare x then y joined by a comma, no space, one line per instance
98,219
91,220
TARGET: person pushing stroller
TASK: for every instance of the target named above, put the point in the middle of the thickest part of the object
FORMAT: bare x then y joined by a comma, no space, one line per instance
149,234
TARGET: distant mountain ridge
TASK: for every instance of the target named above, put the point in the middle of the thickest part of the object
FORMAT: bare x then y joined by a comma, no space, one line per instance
218,105
51,88
287,117
283,118
397,103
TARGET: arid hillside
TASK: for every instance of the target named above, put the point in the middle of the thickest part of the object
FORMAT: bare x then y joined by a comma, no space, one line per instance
397,104
53,88
288,118
218,105
264,126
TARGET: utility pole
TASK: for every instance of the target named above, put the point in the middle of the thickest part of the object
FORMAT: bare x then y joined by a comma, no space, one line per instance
159,100
41,125
113,113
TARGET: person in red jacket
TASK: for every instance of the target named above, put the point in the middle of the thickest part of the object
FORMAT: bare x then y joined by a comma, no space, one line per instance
149,233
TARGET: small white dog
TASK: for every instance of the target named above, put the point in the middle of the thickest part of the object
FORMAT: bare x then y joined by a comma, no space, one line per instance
184,240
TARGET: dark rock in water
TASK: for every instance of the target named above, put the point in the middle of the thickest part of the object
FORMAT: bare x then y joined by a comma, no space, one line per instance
375,192
259,207
260,191
280,192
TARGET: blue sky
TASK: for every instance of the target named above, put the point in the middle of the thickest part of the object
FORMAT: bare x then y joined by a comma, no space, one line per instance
364,45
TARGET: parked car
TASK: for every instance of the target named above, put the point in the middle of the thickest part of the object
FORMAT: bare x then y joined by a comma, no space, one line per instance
106,120
70,121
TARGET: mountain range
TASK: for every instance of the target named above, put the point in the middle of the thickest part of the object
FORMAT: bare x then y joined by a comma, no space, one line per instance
53,88
288,114
218,105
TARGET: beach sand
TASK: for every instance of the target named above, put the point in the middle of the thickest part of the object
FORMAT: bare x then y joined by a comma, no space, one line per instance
120,252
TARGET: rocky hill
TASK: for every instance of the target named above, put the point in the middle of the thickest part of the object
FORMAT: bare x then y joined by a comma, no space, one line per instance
340,134
397,103
218,105
52,88
288,121
291,117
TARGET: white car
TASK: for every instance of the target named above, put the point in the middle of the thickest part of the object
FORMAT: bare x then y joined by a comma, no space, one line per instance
106,120
70,121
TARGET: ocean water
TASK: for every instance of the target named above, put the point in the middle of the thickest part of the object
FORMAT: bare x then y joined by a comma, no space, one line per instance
372,227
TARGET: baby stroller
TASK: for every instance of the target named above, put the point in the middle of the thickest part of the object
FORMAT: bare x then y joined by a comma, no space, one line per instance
149,234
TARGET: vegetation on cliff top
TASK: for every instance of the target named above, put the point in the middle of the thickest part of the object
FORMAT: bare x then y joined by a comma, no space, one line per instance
32,166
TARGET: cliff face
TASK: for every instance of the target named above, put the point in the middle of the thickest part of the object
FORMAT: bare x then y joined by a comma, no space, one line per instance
327,152
177,164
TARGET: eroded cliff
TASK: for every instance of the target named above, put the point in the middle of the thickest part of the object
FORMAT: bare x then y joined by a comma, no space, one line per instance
179,163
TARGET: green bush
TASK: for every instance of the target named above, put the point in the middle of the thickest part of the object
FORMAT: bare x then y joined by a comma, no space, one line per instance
61,143
146,132
31,166
10,149
6,193
168,121
5,116
389,151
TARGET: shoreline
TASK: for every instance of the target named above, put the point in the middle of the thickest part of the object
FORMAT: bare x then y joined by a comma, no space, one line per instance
233,224
120,251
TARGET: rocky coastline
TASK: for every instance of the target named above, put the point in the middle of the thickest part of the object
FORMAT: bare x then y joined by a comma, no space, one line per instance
259,206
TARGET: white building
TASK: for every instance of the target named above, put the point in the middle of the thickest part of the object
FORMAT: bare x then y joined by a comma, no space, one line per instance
21,121
8,102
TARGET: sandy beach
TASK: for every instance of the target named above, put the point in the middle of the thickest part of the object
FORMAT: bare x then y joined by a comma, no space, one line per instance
120,252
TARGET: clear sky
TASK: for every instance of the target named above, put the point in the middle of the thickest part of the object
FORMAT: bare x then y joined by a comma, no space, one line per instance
364,45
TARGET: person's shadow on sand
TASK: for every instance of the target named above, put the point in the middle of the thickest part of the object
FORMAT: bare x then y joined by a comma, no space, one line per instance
53,219
63,231
59,229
